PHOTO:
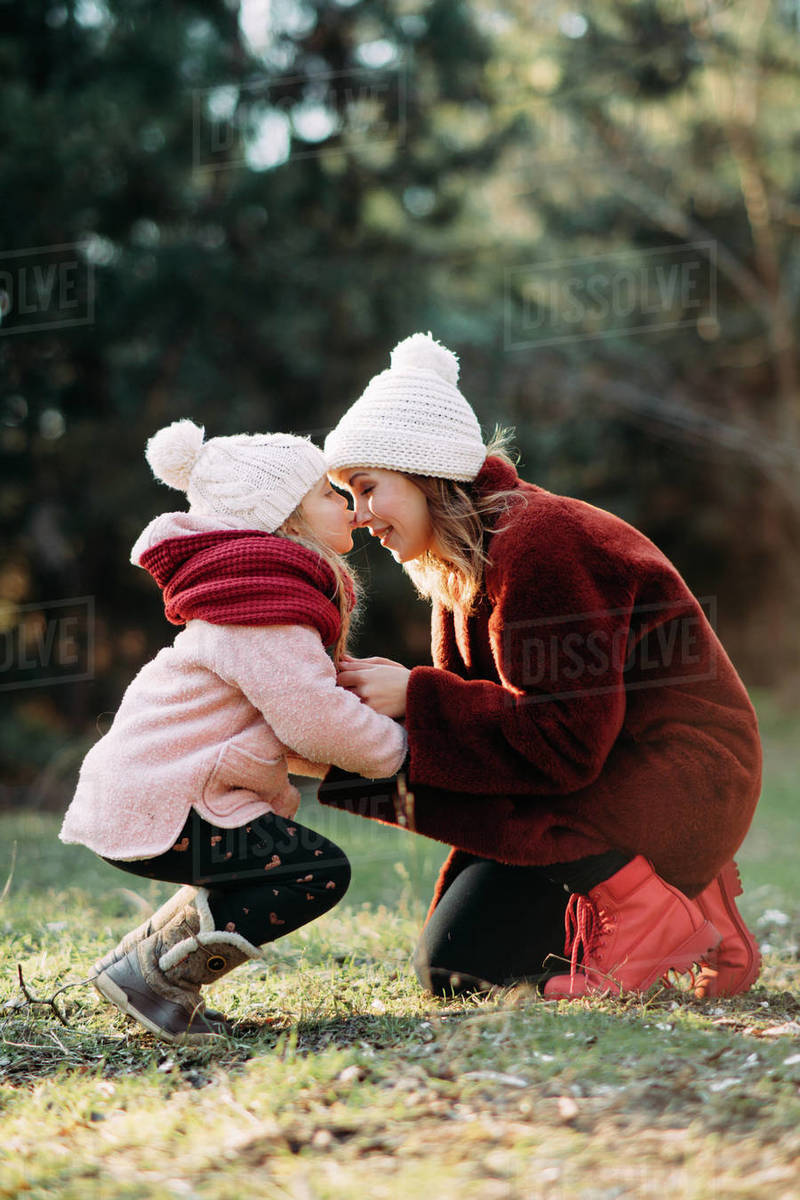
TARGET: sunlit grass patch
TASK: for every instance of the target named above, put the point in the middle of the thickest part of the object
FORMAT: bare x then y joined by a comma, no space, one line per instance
344,1079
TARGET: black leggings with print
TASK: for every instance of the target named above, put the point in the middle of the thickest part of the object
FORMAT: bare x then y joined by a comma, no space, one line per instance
264,879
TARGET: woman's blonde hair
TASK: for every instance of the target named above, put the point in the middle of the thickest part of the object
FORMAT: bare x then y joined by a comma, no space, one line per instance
297,529
461,520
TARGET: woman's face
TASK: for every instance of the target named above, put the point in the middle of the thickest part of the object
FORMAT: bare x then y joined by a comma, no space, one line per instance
327,512
393,508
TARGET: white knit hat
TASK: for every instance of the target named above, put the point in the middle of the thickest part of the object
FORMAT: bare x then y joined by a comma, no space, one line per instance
255,480
411,418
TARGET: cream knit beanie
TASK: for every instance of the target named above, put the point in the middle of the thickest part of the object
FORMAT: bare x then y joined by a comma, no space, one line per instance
255,481
411,418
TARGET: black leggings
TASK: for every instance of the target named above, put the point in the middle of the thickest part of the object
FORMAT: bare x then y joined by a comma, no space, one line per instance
264,879
495,924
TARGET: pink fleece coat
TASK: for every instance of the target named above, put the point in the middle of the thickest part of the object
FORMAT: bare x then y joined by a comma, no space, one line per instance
215,722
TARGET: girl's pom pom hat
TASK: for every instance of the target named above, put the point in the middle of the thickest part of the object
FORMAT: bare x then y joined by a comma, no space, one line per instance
253,481
172,453
411,418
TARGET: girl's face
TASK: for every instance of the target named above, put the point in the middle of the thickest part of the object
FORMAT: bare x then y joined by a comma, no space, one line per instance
393,507
328,515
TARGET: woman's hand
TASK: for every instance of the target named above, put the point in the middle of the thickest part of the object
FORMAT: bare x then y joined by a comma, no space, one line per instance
379,682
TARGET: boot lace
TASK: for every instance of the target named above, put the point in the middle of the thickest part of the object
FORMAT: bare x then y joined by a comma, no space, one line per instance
587,923
585,926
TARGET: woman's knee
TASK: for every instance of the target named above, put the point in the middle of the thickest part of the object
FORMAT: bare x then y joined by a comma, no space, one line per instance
423,967
442,980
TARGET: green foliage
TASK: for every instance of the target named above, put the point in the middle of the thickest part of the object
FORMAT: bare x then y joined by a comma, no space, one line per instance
252,283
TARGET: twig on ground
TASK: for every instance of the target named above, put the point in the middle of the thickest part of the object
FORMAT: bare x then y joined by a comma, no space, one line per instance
51,1033
51,1001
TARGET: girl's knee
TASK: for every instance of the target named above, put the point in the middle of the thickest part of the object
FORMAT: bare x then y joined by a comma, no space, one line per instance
337,881
334,864
343,878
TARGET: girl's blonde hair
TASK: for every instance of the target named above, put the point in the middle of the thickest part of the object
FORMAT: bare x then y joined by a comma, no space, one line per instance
297,529
461,520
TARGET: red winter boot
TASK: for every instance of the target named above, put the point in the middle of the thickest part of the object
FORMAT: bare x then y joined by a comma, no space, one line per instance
734,965
633,928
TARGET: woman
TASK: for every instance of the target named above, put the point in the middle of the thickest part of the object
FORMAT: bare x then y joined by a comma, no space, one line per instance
582,741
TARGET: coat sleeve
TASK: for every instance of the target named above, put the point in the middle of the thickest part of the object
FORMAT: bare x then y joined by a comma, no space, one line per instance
284,672
558,627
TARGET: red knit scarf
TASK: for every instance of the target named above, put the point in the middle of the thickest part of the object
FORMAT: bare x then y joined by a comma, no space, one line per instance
245,577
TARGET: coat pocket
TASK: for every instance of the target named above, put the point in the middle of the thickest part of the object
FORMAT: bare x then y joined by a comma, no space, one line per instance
240,779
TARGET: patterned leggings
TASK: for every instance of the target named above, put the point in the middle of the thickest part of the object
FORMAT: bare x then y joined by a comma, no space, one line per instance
264,879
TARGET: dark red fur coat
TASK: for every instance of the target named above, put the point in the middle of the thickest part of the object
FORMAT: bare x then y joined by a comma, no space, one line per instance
587,704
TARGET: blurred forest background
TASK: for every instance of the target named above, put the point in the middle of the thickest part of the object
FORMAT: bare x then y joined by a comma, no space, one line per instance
233,211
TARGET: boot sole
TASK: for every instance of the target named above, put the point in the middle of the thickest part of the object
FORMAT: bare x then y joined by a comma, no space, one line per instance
112,992
701,943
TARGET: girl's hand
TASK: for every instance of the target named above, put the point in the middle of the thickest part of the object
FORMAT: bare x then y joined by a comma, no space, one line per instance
378,682
348,659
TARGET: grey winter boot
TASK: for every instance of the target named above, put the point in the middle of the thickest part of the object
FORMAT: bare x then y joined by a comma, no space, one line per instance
158,981
154,922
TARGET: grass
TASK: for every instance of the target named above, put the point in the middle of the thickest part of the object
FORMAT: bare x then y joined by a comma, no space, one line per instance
345,1080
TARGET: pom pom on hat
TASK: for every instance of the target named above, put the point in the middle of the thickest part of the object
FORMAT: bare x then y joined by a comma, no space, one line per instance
173,452
422,352
411,418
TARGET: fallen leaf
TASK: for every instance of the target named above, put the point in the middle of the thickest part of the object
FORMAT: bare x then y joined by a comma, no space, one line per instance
498,1077
788,1029
351,1074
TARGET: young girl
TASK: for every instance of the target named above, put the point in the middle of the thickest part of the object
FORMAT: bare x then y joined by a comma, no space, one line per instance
190,784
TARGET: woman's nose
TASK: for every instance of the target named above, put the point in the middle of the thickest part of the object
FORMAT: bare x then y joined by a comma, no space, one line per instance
362,513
